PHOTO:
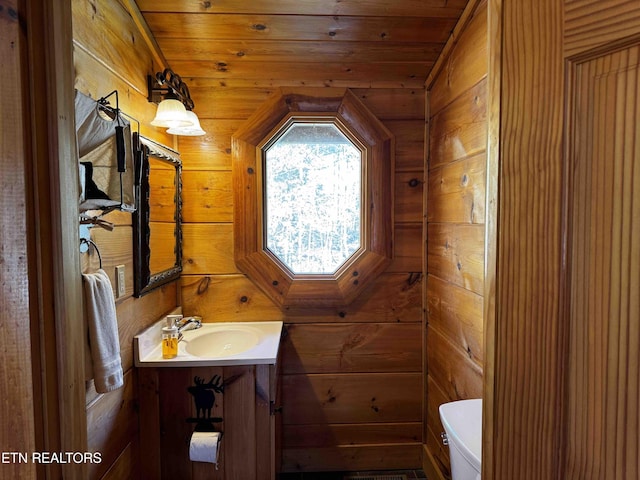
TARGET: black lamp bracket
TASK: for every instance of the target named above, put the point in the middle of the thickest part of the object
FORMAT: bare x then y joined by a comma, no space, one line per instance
168,84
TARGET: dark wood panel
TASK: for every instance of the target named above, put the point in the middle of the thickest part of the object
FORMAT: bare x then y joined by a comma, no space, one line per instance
207,196
416,8
299,27
240,436
460,130
330,435
222,409
351,398
267,446
456,313
127,464
347,347
352,457
455,253
147,385
456,192
247,444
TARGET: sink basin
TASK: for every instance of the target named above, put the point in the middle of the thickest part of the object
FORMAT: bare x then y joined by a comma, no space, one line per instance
223,342
213,344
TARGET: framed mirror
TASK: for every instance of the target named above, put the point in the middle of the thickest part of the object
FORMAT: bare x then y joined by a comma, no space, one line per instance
157,221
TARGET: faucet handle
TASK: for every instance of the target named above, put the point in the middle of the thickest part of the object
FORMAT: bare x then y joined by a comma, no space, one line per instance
174,320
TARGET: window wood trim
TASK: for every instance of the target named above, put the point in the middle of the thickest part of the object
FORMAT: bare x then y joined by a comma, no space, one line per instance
349,281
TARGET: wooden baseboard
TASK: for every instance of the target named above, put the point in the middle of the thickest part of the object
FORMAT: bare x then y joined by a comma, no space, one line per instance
430,466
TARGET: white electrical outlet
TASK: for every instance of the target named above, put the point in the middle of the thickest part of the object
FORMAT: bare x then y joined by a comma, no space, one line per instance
120,281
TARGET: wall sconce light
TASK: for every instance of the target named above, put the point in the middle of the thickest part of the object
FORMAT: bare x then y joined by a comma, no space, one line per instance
175,106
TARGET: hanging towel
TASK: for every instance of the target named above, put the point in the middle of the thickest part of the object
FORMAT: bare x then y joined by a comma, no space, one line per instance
103,331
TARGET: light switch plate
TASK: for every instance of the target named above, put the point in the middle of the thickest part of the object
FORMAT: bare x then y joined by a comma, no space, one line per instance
120,281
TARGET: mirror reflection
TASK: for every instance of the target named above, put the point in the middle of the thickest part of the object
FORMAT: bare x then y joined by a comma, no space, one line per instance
157,221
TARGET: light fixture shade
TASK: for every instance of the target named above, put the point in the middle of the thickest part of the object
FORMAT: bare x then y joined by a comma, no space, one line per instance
194,130
171,113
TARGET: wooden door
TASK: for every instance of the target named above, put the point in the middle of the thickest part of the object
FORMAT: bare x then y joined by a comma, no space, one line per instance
561,377
604,275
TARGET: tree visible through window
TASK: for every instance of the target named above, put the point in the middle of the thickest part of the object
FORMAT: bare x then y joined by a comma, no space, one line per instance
312,197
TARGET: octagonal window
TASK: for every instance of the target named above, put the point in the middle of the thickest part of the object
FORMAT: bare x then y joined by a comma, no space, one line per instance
312,196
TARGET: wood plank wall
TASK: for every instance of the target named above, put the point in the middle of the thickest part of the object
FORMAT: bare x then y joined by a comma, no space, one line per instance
351,383
457,104
117,58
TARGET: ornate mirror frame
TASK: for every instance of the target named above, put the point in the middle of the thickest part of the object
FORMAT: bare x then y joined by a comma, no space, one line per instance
144,279
374,257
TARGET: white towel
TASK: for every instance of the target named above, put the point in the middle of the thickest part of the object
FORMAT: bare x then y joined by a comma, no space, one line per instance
103,331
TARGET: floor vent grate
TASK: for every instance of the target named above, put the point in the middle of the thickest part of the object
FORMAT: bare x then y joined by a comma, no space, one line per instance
376,477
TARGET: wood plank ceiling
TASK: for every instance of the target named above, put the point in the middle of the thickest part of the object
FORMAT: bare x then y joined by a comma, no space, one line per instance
315,43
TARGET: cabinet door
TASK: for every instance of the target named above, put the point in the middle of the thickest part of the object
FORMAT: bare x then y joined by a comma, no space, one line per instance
243,412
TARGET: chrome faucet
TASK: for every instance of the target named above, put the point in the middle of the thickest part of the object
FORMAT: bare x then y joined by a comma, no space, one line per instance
188,323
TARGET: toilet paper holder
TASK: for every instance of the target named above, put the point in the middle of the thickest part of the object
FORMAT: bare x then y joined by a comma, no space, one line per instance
205,447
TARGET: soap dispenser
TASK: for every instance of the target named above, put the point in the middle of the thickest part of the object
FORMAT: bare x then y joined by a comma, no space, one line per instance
170,336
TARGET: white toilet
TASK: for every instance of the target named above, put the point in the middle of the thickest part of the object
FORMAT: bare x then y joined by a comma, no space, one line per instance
462,422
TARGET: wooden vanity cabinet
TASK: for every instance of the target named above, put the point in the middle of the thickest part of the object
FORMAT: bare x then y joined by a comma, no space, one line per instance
247,408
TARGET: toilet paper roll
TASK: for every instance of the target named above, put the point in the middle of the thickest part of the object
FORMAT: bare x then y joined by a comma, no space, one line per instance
204,447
